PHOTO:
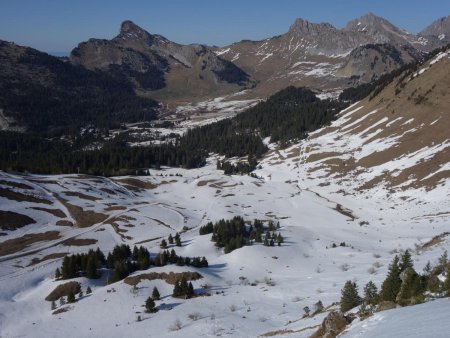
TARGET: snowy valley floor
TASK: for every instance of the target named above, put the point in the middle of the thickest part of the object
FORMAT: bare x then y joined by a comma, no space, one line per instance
255,290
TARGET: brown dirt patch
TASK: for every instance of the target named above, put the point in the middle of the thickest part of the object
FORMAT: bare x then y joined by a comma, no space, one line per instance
64,223
436,240
10,220
16,184
115,207
204,182
79,241
136,184
19,197
56,255
81,195
18,244
170,278
63,290
55,212
84,218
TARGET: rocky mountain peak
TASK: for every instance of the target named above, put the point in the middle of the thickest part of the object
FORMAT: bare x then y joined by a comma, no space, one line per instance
439,28
129,30
304,27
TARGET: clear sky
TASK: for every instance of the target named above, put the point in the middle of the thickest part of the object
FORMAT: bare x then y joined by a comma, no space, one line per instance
59,25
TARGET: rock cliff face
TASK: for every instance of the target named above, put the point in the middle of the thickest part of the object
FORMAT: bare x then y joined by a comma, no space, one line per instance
439,29
153,62
323,56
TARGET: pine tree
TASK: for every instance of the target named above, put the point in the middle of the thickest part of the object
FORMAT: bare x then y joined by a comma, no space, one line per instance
443,260
307,310
150,305
62,301
91,268
80,295
318,307
446,284
163,244
57,273
170,239
280,239
155,294
71,297
427,268
370,294
349,296
53,306
406,261
190,290
266,240
177,239
88,290
410,289
392,283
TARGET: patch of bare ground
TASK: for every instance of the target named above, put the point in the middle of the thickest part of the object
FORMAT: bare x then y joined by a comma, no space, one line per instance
61,310
64,223
436,240
84,218
135,184
286,331
14,245
63,290
204,182
19,197
79,241
55,212
293,153
321,156
345,212
333,324
10,220
81,195
55,255
115,208
109,191
16,184
170,278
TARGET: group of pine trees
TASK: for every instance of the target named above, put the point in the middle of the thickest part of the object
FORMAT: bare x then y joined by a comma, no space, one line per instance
171,239
235,233
241,168
402,286
122,262
183,289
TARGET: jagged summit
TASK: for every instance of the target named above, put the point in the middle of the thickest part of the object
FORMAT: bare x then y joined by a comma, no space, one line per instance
302,26
129,30
439,28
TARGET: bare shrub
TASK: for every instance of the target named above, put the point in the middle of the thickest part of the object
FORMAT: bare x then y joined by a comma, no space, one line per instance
377,265
194,316
345,267
176,326
372,270
233,307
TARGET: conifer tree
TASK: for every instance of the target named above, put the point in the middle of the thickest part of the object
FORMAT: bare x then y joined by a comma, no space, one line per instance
88,290
62,301
406,261
177,239
155,294
410,288
57,273
318,307
163,244
392,283
370,294
150,305
170,239
446,284
443,260
71,297
91,268
307,310
349,296
80,294
266,240
53,306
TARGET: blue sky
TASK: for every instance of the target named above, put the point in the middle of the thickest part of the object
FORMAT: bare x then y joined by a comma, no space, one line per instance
59,25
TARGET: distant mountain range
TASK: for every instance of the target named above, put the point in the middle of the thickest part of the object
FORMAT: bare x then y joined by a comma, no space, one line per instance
309,54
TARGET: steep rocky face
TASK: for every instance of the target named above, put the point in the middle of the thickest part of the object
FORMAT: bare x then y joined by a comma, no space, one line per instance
320,55
153,62
439,29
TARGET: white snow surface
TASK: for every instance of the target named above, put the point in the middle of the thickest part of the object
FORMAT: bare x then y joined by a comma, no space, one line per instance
255,289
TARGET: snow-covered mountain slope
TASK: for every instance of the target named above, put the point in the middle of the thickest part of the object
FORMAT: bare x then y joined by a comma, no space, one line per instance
359,182
424,320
